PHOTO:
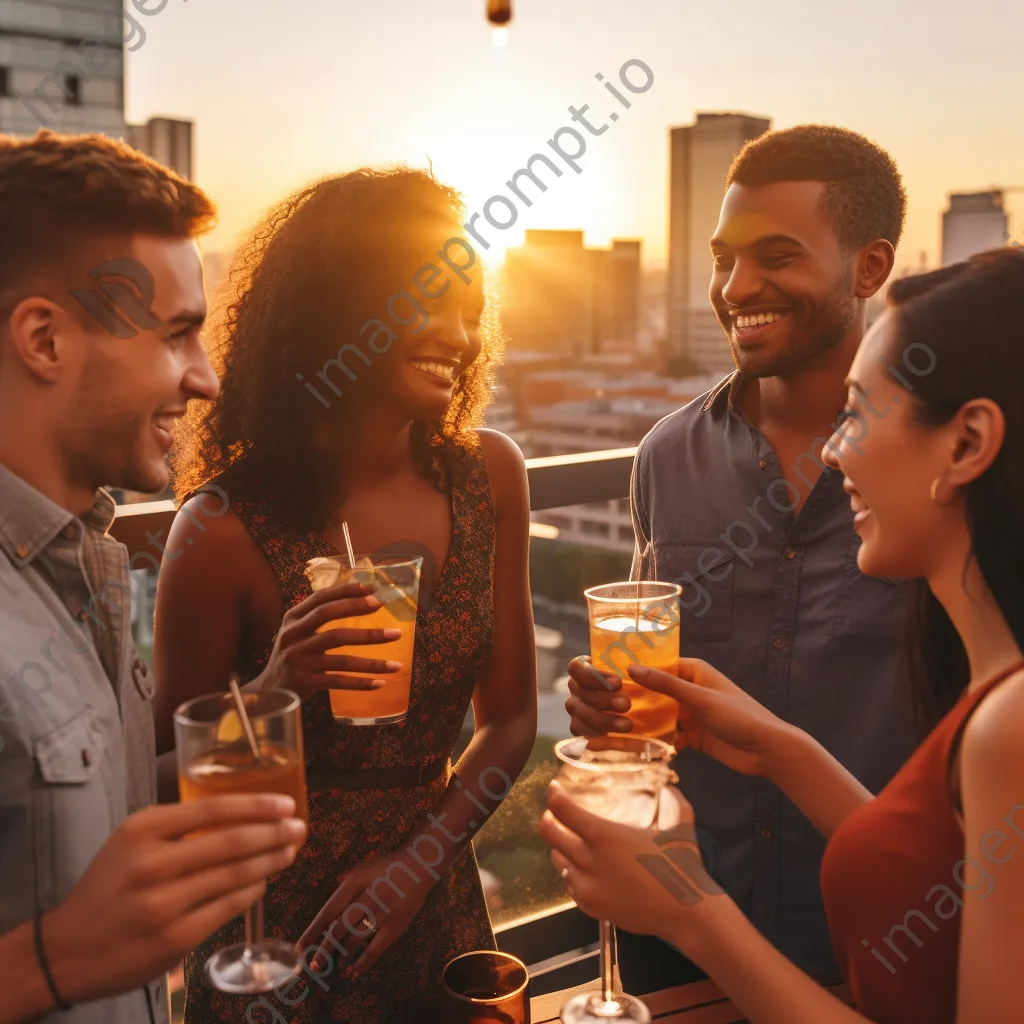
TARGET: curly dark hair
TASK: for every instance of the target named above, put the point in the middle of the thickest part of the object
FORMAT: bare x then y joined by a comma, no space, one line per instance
316,268
58,193
864,195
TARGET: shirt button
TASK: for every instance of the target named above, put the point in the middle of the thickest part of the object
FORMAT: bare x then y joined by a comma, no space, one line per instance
763,464
766,833
21,551
778,642
87,757
790,553
69,532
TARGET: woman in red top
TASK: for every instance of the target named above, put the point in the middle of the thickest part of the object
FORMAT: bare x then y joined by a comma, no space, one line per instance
923,884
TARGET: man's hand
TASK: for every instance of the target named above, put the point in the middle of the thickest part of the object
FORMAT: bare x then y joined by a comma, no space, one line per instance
167,878
595,703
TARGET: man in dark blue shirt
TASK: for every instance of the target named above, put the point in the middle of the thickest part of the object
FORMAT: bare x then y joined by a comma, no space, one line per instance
731,500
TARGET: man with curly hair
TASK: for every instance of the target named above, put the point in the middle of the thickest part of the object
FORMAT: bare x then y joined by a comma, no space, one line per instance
101,304
731,499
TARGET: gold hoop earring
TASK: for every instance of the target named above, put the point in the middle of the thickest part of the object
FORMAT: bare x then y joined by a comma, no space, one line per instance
934,492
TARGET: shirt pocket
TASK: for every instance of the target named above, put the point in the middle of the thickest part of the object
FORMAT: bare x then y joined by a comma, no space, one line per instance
706,572
72,811
871,605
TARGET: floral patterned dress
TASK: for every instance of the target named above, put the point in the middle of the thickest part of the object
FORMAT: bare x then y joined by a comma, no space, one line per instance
347,827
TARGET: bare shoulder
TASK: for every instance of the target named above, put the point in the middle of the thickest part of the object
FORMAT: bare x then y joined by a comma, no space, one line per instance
994,736
507,469
208,540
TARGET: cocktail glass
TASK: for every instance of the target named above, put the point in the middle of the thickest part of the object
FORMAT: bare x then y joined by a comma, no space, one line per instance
214,758
638,624
618,777
396,584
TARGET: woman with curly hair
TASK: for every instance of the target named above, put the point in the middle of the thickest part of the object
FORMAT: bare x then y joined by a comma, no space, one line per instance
356,352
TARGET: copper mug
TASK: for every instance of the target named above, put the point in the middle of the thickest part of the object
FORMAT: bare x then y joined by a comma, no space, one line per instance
485,987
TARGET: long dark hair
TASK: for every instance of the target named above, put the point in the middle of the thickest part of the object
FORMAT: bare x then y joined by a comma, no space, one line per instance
961,334
319,265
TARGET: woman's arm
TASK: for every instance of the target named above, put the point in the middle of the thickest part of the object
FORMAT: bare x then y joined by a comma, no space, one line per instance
824,791
217,592
992,871
654,883
726,723
505,700
208,566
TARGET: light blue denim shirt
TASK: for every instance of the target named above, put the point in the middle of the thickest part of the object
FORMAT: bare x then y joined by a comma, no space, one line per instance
77,752
776,602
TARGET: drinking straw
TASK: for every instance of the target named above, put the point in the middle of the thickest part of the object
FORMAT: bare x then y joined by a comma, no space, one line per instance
236,693
348,546
397,593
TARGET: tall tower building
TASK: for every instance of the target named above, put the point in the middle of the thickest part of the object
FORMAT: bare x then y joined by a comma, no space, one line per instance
563,297
549,293
700,157
62,66
167,141
617,312
974,222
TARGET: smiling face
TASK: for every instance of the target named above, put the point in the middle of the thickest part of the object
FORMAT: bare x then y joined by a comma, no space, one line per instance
123,396
783,287
889,460
439,338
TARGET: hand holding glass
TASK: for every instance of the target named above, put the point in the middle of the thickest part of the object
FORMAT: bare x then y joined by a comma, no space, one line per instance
618,777
215,757
396,584
638,624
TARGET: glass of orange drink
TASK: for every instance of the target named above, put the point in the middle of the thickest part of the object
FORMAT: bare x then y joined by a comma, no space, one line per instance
395,582
638,624
215,757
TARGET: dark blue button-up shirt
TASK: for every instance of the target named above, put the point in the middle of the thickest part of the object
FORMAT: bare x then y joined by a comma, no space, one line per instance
774,601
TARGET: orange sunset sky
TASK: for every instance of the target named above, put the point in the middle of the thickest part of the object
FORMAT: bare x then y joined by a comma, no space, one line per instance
284,92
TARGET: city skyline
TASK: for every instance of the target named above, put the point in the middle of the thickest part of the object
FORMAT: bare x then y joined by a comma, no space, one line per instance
280,97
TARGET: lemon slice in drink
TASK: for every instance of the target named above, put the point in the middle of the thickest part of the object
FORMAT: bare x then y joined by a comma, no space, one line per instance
229,729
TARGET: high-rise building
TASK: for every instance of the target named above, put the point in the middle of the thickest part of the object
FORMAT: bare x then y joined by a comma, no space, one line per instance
549,293
166,140
974,222
618,296
562,297
700,157
62,68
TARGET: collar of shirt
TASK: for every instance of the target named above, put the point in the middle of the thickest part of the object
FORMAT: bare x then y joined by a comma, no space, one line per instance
29,520
723,395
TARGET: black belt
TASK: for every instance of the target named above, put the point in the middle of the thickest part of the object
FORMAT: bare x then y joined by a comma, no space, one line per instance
318,777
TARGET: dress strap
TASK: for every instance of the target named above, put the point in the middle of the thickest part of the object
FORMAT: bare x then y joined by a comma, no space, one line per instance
973,701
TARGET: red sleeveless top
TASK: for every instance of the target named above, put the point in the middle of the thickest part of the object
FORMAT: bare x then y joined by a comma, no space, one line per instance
893,880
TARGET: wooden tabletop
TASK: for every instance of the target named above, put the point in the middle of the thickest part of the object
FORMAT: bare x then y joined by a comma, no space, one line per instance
699,1003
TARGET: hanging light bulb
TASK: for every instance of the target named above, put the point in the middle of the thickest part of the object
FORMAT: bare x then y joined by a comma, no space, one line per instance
499,12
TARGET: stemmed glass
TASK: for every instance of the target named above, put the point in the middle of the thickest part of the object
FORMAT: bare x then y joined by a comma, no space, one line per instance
618,777
215,756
